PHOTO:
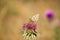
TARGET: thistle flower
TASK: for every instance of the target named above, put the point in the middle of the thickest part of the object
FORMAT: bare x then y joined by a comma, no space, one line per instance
58,23
31,25
24,26
29,28
49,15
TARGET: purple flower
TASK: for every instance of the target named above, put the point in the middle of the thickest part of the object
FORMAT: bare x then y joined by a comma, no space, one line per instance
24,25
58,23
29,26
49,14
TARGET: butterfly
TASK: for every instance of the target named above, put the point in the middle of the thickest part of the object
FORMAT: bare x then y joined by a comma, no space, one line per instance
35,17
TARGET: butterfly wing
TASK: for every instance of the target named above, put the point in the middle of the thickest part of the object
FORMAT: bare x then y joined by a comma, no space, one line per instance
35,17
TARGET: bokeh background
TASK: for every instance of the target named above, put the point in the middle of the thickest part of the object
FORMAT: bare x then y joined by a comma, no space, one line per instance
15,12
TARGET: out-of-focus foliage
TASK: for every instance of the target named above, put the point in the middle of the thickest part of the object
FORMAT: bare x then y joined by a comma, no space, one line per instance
29,1
2,4
57,33
11,8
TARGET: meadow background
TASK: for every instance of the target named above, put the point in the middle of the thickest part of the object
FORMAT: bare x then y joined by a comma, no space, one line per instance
14,12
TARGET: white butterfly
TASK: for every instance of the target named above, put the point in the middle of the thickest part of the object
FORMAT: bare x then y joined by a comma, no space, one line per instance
35,17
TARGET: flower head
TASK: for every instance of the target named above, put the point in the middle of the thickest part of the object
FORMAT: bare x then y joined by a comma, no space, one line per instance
58,23
49,14
30,26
